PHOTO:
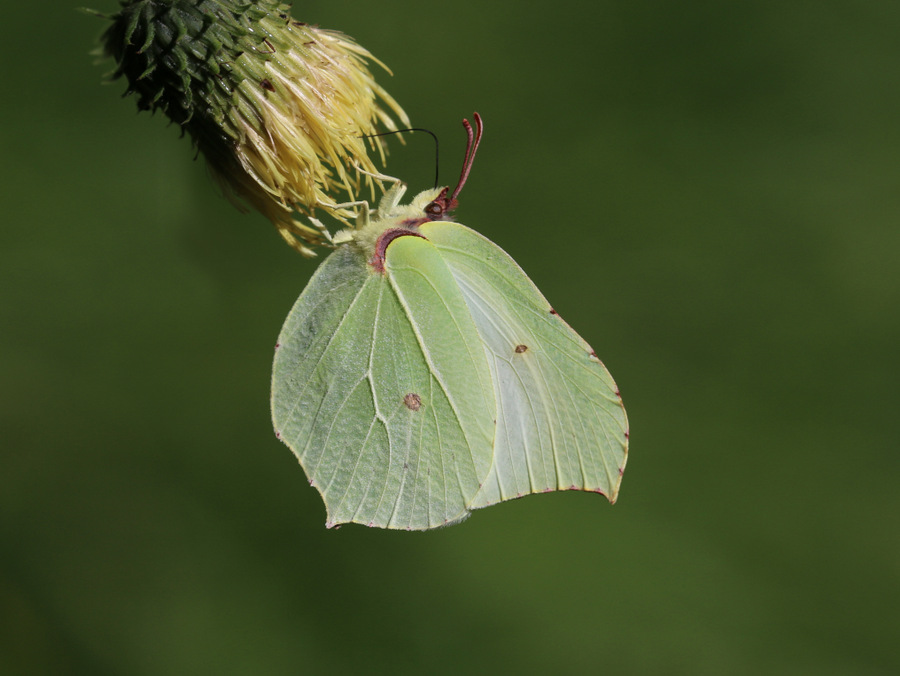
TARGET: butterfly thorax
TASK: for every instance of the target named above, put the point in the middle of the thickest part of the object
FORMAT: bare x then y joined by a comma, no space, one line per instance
378,227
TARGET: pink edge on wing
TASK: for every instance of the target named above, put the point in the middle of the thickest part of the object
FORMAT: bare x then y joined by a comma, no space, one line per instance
384,239
548,490
414,222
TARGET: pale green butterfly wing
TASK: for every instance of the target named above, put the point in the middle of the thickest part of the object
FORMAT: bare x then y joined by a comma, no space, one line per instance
561,423
381,388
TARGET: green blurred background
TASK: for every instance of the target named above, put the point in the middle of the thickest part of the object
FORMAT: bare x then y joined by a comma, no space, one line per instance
707,191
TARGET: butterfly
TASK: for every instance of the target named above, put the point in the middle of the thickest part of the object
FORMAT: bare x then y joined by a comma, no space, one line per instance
421,375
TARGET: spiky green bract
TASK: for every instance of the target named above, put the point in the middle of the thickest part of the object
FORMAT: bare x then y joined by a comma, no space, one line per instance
422,375
278,107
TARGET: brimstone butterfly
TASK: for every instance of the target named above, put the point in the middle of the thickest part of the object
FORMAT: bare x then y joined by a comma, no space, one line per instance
421,375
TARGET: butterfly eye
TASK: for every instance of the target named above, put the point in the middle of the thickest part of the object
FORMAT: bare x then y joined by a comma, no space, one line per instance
434,210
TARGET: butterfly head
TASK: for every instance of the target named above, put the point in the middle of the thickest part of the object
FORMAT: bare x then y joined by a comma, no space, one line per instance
438,204
434,204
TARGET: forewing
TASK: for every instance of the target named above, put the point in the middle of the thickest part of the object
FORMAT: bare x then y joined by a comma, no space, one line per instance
372,389
561,423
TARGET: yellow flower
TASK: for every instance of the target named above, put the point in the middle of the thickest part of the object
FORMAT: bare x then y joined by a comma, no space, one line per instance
279,108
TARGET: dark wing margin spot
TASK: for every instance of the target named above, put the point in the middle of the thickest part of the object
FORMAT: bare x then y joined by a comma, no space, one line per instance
521,348
412,401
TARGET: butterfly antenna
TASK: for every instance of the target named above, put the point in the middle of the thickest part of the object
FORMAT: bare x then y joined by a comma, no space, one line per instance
471,148
437,148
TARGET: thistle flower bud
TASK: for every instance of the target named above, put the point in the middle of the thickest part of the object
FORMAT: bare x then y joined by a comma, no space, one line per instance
279,108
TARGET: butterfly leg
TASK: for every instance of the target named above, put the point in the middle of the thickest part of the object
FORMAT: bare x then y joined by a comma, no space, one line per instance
377,176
